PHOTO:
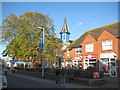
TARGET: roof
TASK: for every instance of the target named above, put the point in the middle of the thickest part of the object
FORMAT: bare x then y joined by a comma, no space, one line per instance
95,33
65,28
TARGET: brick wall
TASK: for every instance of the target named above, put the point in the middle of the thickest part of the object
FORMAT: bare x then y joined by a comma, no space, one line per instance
107,36
89,39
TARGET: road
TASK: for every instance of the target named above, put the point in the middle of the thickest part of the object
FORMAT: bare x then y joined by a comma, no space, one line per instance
20,81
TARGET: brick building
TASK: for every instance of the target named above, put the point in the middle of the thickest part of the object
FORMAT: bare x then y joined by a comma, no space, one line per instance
99,47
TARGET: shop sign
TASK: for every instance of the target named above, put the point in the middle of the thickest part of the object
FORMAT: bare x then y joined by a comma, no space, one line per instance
90,56
78,58
96,74
68,59
107,55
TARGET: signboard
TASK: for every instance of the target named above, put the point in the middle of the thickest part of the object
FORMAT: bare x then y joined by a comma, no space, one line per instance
107,55
13,61
96,74
68,59
78,58
41,44
90,56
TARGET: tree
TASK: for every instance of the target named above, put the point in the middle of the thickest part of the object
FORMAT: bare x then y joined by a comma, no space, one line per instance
21,34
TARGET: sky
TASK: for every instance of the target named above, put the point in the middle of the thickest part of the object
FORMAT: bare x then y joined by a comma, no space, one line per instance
80,16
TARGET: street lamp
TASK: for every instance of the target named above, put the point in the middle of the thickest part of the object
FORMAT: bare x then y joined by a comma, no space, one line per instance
42,48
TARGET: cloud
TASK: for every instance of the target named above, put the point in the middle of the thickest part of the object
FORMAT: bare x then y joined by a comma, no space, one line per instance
93,22
80,23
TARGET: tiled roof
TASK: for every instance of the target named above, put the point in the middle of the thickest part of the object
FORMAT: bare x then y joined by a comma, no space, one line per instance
95,33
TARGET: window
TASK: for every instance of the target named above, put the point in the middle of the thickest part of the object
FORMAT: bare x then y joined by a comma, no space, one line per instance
89,63
89,47
107,45
63,36
68,53
78,50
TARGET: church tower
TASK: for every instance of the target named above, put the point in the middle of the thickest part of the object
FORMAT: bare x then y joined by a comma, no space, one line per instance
64,34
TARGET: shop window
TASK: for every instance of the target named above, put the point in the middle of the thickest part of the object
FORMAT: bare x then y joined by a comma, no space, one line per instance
104,65
80,64
90,63
92,60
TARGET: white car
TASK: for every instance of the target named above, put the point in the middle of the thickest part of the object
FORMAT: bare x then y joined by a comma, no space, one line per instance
3,82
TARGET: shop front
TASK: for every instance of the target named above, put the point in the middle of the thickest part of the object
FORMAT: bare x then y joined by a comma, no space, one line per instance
68,63
77,63
107,64
89,61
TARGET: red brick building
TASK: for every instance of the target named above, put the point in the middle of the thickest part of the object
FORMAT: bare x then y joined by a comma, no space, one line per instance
99,47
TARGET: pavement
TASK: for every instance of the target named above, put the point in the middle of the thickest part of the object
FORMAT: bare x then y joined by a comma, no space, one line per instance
110,82
65,85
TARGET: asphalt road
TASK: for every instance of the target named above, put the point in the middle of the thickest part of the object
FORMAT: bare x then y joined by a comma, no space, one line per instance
20,81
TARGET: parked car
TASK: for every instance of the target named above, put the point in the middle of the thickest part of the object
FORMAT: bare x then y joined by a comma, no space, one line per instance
3,82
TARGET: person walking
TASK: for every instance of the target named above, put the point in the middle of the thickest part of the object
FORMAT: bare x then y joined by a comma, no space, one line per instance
63,75
57,74
70,76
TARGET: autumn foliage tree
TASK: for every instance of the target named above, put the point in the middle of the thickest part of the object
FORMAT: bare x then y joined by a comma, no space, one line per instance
22,36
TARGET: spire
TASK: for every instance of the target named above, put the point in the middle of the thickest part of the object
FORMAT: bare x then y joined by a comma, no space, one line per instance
64,28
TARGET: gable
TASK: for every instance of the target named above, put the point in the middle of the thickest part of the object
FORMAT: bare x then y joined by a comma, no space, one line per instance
88,39
105,35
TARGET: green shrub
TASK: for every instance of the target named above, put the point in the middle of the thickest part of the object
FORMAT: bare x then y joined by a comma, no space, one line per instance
78,73
88,73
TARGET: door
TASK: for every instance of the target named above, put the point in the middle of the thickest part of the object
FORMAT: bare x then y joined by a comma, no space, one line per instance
113,69
86,63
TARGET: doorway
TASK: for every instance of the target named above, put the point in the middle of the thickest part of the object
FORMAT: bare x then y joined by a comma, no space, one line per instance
108,66
113,68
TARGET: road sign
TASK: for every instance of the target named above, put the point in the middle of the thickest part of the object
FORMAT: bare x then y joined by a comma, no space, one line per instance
96,74
41,44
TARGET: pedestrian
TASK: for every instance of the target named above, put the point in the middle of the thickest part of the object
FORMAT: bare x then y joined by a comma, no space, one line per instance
58,75
63,75
70,76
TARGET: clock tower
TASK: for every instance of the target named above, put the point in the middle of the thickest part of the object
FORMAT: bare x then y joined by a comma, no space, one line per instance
64,35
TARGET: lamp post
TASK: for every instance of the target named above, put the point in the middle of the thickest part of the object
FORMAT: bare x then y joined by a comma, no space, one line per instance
42,48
